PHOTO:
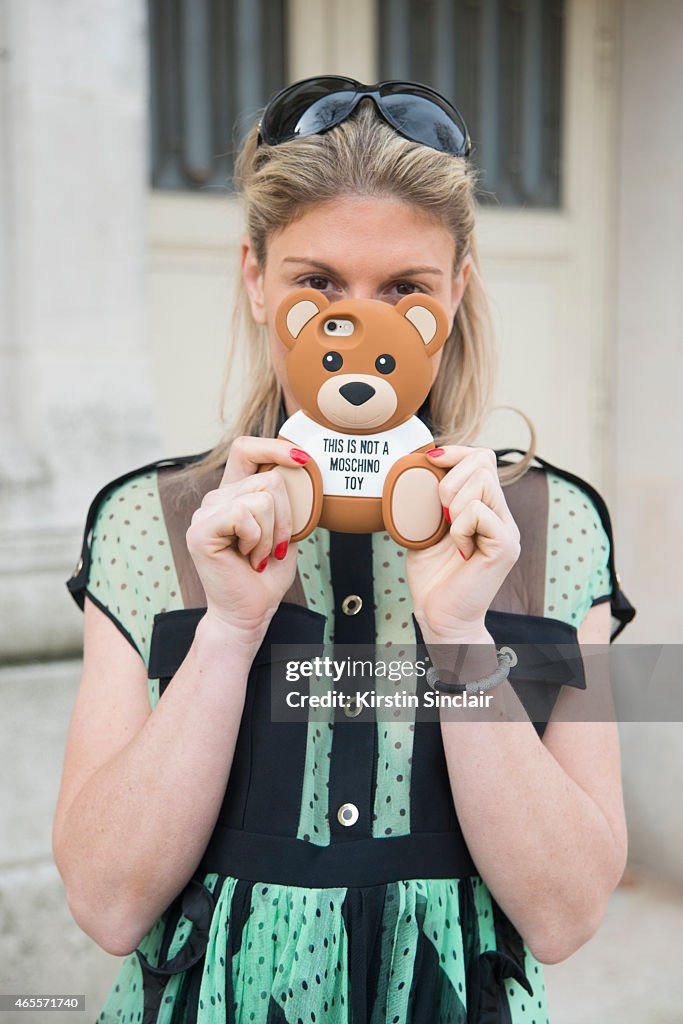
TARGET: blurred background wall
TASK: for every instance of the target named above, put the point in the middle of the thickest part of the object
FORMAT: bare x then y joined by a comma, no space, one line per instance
118,256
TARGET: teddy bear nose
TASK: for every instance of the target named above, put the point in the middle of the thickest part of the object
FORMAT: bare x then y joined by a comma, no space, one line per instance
357,392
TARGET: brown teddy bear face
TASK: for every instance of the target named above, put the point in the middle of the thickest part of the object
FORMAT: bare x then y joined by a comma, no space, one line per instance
360,365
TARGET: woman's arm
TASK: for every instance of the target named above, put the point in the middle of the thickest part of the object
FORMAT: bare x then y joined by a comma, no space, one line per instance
544,820
141,791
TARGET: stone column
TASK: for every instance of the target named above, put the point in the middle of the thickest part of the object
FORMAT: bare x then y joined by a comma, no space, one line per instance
76,410
76,403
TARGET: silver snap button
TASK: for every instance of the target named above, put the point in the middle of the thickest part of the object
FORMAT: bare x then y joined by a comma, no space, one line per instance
352,708
513,656
347,814
352,604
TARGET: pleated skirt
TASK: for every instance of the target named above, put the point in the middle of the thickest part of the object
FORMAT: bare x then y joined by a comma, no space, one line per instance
416,951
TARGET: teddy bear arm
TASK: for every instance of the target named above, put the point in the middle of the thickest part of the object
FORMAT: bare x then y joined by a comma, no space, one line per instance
304,488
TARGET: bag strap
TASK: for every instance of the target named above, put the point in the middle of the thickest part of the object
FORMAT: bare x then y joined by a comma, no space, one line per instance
621,607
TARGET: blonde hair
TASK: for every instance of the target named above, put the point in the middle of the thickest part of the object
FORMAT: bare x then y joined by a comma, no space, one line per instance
364,156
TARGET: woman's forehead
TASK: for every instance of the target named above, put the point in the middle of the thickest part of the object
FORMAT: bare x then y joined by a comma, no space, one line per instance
364,227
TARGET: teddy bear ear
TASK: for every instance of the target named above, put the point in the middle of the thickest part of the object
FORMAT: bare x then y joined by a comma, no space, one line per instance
296,310
428,317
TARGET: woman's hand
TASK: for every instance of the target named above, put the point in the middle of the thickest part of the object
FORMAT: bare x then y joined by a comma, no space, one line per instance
453,583
237,528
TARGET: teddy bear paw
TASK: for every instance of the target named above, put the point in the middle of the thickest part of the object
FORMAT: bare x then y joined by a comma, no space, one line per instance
412,510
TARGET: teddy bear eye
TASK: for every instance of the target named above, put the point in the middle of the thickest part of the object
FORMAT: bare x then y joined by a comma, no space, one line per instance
332,361
385,363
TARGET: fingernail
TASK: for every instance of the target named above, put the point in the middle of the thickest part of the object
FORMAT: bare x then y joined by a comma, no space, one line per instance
281,549
446,514
298,455
464,556
435,451
261,566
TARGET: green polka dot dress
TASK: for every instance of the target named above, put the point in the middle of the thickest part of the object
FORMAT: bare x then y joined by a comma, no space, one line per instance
414,949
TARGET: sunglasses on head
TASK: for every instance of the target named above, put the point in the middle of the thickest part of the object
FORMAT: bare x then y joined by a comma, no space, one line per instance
314,105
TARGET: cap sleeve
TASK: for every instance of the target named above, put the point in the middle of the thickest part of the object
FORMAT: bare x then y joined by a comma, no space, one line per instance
580,555
605,583
126,566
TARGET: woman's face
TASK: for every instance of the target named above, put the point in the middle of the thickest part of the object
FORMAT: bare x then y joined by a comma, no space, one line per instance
356,247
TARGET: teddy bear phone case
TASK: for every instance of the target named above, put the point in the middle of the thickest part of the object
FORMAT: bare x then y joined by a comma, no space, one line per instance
360,369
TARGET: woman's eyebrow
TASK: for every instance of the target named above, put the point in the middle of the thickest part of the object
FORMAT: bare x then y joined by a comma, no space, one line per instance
311,262
418,270
330,270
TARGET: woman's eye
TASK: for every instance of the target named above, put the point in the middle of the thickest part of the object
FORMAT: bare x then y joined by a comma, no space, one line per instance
316,281
409,285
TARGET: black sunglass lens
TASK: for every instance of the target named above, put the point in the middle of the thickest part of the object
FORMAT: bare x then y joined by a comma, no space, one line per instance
422,120
324,113
307,110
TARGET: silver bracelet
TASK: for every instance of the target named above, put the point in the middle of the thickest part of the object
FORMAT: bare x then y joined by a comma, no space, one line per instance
506,660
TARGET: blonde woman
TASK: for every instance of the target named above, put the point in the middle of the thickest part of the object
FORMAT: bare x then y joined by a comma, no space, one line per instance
250,869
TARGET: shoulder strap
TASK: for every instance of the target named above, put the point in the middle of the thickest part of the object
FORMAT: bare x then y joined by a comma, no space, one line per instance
622,609
77,582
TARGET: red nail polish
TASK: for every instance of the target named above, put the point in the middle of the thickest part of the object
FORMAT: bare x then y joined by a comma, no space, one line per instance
464,556
261,566
299,456
435,451
447,515
281,549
